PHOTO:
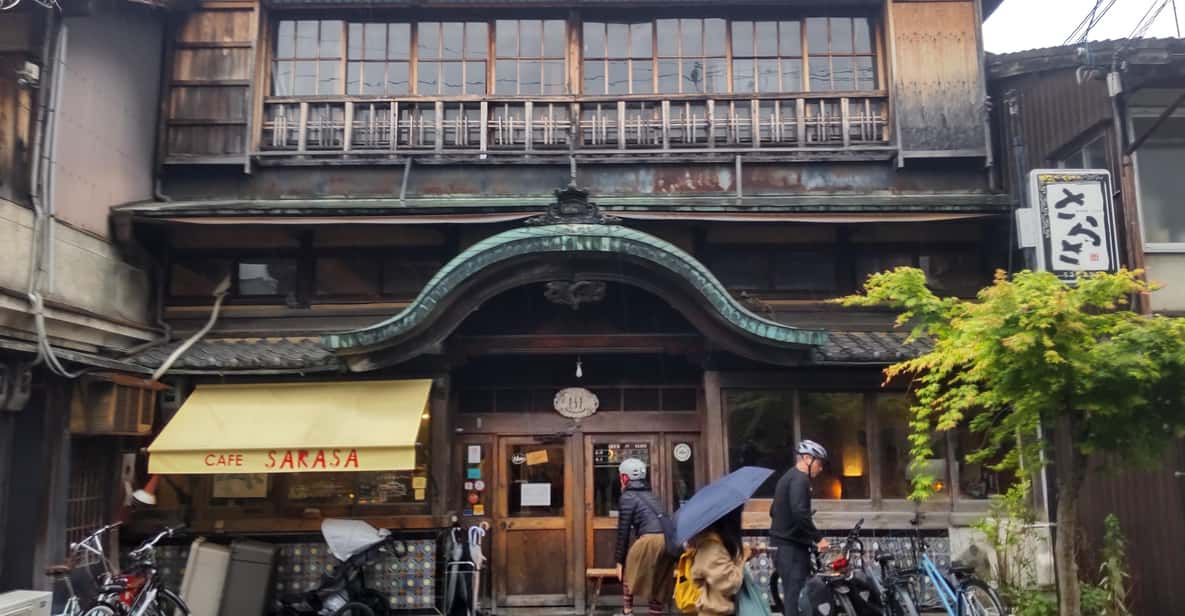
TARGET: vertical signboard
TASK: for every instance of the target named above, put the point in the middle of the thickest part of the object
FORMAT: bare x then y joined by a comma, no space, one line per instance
1071,224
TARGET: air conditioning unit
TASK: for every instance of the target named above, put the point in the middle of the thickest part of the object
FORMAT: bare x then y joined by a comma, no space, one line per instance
25,603
108,407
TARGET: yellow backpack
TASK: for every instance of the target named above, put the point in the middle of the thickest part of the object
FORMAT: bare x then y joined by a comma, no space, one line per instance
686,592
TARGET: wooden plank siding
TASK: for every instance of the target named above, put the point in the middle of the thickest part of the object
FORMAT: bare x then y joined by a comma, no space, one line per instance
937,77
209,94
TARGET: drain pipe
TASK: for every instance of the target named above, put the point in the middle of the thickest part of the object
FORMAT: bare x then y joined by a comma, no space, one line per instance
220,294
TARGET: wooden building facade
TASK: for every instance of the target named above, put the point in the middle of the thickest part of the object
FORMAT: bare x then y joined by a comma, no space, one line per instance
586,230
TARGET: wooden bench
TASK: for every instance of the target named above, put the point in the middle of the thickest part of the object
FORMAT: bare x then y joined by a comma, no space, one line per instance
597,576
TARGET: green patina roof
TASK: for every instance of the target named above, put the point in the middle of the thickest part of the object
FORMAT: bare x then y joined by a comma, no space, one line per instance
573,238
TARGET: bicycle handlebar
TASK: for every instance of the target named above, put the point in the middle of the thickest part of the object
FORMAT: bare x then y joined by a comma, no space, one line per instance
151,543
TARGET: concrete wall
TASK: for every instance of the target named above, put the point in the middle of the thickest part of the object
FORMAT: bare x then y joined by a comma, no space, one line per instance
1168,270
97,299
106,132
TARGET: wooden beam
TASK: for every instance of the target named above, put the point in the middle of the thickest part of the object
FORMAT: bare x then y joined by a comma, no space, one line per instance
439,442
673,344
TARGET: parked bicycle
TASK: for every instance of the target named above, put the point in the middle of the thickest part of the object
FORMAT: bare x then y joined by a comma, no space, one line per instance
144,592
91,546
894,585
842,587
958,591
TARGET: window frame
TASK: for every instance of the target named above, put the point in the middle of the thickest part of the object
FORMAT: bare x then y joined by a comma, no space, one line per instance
1149,112
573,57
953,501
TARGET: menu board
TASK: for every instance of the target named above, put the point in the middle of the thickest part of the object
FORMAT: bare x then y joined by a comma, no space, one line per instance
611,454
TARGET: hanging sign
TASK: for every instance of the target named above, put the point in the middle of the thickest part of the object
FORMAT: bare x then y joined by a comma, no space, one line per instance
1071,223
576,403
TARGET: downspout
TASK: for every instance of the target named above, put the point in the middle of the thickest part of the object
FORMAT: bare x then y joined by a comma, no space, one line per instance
40,191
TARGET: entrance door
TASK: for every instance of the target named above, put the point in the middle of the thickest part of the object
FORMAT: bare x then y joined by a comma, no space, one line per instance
602,488
535,509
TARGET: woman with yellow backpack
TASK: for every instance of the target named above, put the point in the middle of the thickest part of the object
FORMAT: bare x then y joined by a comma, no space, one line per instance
711,578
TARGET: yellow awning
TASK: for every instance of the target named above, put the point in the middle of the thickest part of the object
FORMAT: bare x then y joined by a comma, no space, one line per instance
294,428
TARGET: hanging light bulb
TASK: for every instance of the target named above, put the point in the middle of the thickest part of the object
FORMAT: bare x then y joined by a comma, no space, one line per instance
579,368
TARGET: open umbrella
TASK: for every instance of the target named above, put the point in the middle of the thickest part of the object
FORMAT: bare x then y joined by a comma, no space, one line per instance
717,499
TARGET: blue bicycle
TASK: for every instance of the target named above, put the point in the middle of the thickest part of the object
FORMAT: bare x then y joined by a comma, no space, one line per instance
958,592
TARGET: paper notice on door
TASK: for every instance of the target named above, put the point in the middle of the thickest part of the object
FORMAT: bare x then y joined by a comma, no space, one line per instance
535,495
474,456
419,483
535,458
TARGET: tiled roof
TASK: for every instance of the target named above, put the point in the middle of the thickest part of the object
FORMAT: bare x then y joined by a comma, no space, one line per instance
869,347
1134,51
301,354
232,354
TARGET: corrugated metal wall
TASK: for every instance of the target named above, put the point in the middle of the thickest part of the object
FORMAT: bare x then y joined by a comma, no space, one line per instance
1151,508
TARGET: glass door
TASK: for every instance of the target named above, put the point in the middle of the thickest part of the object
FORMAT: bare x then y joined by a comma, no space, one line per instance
535,523
603,488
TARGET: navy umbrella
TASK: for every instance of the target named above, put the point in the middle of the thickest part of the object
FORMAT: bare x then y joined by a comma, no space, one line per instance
717,499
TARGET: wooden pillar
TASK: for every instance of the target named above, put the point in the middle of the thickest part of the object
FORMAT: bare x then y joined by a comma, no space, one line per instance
440,445
714,434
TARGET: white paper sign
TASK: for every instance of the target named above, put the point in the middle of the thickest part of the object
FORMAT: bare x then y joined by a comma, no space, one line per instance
536,495
475,454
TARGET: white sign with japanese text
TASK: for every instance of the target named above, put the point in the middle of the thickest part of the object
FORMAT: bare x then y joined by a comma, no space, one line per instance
1074,231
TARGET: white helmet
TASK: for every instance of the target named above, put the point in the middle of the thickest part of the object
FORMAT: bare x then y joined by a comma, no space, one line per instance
811,448
632,468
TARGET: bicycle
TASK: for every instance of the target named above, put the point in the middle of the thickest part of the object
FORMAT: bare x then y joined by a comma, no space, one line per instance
894,585
959,591
105,582
144,592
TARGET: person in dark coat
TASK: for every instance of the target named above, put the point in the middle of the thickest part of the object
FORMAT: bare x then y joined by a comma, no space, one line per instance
792,529
645,569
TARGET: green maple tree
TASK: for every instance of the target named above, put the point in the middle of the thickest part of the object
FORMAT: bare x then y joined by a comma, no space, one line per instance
1034,351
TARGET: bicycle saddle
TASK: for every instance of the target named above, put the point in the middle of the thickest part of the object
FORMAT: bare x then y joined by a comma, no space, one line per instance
960,569
62,569
883,558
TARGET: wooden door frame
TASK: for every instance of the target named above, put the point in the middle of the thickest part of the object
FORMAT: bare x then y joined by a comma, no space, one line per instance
504,523
589,527
699,458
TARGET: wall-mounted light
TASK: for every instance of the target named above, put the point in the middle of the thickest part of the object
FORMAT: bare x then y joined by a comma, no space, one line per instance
147,494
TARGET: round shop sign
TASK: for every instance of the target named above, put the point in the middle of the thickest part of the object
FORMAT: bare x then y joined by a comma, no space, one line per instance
576,403
682,452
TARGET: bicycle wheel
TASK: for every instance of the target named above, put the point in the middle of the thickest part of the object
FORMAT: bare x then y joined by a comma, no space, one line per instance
976,598
375,600
354,608
845,605
169,604
901,601
100,610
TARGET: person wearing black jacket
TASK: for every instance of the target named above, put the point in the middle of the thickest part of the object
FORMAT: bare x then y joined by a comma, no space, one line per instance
792,529
645,569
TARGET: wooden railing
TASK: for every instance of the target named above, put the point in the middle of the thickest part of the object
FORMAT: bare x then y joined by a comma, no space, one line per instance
588,125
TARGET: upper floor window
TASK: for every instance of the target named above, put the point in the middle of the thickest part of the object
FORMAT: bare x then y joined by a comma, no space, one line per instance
451,58
691,55
840,54
308,58
525,57
618,58
529,55
379,59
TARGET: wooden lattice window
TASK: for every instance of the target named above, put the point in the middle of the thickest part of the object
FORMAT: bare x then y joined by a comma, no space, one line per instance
767,56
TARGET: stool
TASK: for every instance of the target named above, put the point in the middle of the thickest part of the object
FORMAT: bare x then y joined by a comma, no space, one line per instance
598,578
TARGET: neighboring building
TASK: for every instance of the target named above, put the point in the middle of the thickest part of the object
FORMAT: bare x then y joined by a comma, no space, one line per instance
1053,109
78,99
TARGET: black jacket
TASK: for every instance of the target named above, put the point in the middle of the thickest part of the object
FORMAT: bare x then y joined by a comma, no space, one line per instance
635,515
791,522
